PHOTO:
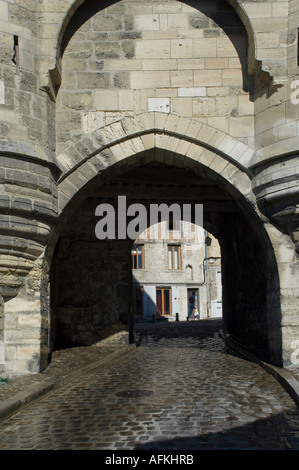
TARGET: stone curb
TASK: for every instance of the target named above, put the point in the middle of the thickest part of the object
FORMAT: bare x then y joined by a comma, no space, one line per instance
286,378
50,384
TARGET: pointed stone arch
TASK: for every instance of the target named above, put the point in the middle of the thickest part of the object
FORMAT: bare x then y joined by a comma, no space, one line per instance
189,145
152,135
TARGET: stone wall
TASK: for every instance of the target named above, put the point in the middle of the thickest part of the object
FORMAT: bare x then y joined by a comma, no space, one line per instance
91,287
84,87
26,112
172,57
127,26
199,262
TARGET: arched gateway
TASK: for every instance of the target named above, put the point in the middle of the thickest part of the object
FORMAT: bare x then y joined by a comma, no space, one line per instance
181,89
223,185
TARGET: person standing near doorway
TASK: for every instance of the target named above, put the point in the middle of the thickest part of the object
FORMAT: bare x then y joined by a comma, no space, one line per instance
192,304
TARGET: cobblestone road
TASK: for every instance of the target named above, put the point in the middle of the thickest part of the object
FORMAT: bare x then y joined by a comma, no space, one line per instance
181,389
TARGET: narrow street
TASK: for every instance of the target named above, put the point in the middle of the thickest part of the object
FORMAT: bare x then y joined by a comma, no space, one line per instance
181,389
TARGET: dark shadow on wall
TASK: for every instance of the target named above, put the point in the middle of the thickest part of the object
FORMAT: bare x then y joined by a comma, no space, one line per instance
251,294
90,285
144,308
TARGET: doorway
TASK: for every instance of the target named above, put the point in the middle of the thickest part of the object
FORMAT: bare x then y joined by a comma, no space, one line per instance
163,301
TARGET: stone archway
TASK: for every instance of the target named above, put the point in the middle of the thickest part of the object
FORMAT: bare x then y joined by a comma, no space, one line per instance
156,132
251,285
218,140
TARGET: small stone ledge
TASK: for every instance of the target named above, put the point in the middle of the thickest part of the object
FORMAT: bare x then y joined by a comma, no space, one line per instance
122,337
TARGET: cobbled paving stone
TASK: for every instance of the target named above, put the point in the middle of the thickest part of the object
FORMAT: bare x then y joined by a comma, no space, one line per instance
182,389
